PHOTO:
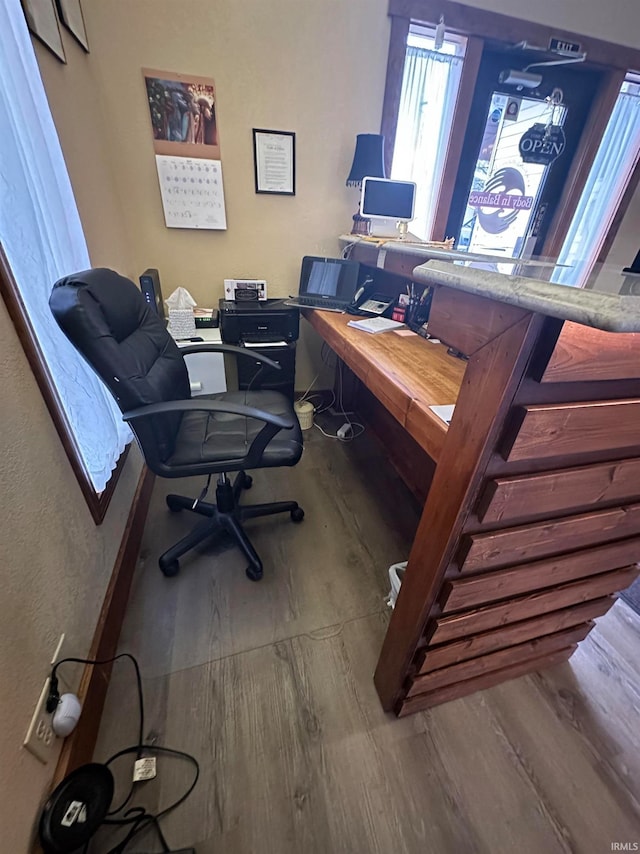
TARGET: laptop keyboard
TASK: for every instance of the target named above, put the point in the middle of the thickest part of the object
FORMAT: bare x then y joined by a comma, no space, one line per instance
313,302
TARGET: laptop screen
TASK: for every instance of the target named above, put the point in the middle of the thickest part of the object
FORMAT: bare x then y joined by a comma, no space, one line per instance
329,278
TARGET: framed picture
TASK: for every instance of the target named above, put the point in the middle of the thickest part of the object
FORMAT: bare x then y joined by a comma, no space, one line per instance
70,12
274,158
43,23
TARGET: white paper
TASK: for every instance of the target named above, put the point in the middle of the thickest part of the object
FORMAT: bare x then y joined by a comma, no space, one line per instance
445,413
375,324
192,193
259,345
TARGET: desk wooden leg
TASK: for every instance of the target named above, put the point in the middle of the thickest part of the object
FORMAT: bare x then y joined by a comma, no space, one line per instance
489,386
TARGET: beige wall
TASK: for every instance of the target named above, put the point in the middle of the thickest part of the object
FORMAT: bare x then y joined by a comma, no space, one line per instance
617,21
315,67
55,562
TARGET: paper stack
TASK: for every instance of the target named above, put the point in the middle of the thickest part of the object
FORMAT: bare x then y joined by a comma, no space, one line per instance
375,324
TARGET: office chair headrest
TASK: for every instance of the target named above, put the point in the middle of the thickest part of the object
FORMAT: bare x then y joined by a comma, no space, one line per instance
75,299
108,320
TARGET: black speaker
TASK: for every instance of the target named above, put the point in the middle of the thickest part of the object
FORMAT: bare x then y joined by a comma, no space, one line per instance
150,285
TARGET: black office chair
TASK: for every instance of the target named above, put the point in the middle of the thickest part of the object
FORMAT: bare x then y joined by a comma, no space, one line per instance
107,319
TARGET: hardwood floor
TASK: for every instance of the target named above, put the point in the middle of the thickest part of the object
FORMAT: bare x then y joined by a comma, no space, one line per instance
270,686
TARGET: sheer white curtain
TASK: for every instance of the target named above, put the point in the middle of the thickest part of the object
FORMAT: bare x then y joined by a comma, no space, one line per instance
43,239
429,91
601,196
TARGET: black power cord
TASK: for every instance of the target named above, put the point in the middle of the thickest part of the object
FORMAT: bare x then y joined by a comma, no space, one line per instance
137,818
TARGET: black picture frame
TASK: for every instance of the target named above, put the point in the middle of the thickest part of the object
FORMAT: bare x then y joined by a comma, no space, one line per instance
274,162
42,21
70,13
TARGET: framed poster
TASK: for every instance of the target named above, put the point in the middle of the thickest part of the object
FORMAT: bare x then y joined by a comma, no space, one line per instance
183,112
70,12
43,23
274,160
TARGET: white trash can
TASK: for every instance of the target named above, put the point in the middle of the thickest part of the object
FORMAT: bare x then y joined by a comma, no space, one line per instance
304,411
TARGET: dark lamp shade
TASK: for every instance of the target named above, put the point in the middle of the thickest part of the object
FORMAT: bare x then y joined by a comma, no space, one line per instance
368,159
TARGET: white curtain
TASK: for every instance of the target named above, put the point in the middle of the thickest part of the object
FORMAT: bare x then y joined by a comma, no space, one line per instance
427,102
43,239
601,196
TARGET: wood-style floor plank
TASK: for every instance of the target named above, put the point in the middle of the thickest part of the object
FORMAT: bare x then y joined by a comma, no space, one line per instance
270,686
333,566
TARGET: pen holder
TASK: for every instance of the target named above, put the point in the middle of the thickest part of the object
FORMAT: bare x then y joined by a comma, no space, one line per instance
418,311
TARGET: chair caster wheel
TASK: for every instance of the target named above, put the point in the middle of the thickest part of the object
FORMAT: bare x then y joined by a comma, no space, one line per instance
169,568
297,515
247,482
172,504
254,574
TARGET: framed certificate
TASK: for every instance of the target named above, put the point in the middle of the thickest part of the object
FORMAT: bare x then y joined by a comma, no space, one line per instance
274,156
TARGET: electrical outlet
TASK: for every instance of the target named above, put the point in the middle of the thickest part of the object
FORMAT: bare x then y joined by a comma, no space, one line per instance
40,739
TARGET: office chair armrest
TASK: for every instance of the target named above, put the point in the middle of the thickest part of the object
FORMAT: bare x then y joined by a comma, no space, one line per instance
208,406
229,348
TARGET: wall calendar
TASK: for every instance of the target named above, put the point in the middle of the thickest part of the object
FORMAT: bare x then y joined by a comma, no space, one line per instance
192,192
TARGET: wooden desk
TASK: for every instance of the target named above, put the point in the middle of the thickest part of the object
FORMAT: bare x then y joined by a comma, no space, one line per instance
532,519
406,373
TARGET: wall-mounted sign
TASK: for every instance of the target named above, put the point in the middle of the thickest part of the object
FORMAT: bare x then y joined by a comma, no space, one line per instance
542,144
561,46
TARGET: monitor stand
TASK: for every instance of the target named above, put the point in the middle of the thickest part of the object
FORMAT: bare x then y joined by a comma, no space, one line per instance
392,229
387,228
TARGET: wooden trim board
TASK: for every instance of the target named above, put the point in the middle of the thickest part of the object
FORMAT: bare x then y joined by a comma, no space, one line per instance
562,490
10,292
558,430
78,747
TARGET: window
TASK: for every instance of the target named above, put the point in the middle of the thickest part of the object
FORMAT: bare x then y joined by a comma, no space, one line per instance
616,158
42,238
429,92
488,32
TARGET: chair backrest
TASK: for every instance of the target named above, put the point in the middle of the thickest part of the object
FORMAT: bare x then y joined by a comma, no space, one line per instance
108,320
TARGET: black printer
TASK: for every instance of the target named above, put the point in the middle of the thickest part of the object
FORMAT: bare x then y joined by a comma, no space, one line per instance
269,328
255,321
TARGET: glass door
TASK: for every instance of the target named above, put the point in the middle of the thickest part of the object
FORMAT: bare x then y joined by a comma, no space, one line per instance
505,191
501,204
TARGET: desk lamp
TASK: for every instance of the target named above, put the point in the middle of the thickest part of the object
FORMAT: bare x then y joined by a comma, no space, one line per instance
368,162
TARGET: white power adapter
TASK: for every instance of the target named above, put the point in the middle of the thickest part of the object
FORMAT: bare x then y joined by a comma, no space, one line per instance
345,431
66,715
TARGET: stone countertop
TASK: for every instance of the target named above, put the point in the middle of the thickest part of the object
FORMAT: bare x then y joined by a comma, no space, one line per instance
610,312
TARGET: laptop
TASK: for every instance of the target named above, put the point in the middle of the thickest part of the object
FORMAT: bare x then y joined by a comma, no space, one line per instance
327,283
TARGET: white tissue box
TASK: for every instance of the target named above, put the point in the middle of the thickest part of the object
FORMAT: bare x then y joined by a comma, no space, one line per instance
182,323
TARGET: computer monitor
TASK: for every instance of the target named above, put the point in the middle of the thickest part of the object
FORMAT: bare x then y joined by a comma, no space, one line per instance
386,202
